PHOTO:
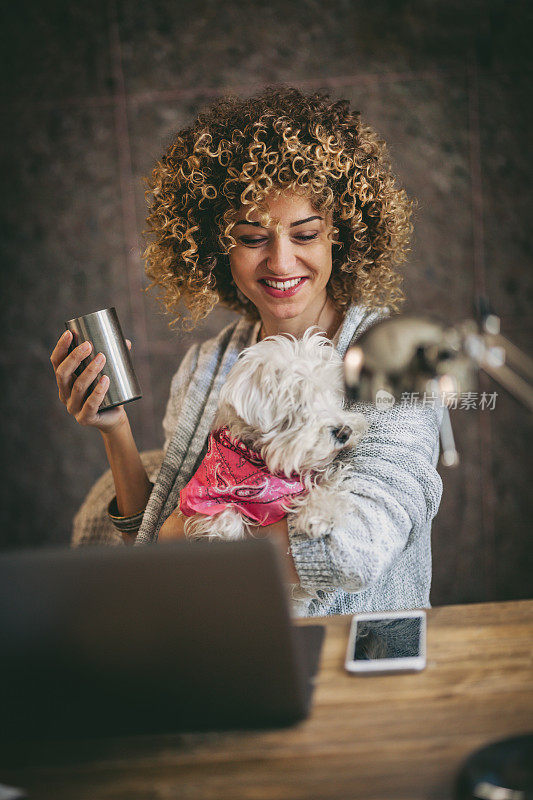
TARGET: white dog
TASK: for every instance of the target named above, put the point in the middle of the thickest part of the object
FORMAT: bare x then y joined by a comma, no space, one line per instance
280,424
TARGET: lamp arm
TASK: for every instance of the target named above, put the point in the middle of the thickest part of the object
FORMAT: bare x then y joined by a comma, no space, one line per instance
520,387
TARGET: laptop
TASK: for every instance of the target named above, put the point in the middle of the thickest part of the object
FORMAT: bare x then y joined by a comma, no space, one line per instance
182,636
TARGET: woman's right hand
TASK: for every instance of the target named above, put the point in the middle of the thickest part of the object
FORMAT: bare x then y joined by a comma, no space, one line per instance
72,389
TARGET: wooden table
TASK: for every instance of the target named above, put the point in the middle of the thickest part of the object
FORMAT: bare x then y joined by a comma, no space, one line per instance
398,736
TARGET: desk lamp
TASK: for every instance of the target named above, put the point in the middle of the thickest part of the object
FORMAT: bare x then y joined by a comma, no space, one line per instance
420,356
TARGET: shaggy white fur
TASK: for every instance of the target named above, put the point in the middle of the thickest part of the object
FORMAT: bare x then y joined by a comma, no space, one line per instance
284,399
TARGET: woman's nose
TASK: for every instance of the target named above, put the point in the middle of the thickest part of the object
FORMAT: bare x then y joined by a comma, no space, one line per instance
281,258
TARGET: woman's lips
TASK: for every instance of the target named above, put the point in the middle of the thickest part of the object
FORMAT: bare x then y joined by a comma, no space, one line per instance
282,292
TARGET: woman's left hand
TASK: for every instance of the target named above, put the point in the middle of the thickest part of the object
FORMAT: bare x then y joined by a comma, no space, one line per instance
172,528
279,532
275,530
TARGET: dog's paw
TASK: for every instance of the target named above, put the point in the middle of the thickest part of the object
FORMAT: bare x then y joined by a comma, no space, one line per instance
323,512
314,518
316,528
340,508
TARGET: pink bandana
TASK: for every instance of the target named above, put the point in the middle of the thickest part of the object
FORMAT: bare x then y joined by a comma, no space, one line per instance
231,474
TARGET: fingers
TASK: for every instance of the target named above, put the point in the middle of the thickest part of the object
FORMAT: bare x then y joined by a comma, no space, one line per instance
76,400
90,407
67,366
61,349
72,391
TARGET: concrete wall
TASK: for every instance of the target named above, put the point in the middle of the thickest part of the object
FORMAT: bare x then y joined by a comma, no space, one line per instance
92,92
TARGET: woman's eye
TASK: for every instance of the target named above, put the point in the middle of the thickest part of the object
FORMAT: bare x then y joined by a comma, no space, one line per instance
307,238
248,240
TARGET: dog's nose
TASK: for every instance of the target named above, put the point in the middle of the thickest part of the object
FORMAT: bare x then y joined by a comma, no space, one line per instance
342,434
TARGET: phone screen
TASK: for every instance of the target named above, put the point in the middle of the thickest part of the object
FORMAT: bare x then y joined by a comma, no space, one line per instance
395,637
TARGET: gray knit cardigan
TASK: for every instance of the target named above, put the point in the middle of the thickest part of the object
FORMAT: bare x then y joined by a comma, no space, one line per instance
381,559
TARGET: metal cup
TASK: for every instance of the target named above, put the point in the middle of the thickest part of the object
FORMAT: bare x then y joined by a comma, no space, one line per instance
103,330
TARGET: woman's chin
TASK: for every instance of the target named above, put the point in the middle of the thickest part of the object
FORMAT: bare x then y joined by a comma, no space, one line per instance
282,309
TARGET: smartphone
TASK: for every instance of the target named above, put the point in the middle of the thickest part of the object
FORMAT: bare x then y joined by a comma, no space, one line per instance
389,641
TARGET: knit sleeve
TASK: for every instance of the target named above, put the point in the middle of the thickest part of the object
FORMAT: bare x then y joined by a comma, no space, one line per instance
178,387
393,487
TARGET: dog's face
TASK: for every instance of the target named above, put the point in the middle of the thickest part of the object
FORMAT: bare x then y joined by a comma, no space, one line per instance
284,398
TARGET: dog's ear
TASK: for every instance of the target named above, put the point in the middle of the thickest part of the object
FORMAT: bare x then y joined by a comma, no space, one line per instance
294,416
249,393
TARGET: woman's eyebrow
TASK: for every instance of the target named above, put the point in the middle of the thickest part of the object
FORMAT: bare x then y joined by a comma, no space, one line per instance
292,225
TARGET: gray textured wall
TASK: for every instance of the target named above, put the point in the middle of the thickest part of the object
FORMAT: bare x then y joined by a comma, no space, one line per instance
91,93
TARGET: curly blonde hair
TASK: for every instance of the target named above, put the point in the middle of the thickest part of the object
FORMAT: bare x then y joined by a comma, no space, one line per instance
240,152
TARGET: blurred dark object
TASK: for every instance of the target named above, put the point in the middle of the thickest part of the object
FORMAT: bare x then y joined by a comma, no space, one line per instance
500,771
112,641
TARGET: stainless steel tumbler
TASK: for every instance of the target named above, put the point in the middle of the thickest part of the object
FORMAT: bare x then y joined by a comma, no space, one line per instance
103,330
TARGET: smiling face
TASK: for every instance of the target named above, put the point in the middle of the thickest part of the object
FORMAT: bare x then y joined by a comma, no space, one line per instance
284,268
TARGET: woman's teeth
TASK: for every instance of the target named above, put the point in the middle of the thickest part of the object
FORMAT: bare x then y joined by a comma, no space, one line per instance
283,284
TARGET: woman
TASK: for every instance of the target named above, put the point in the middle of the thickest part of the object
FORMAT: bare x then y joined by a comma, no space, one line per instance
281,207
